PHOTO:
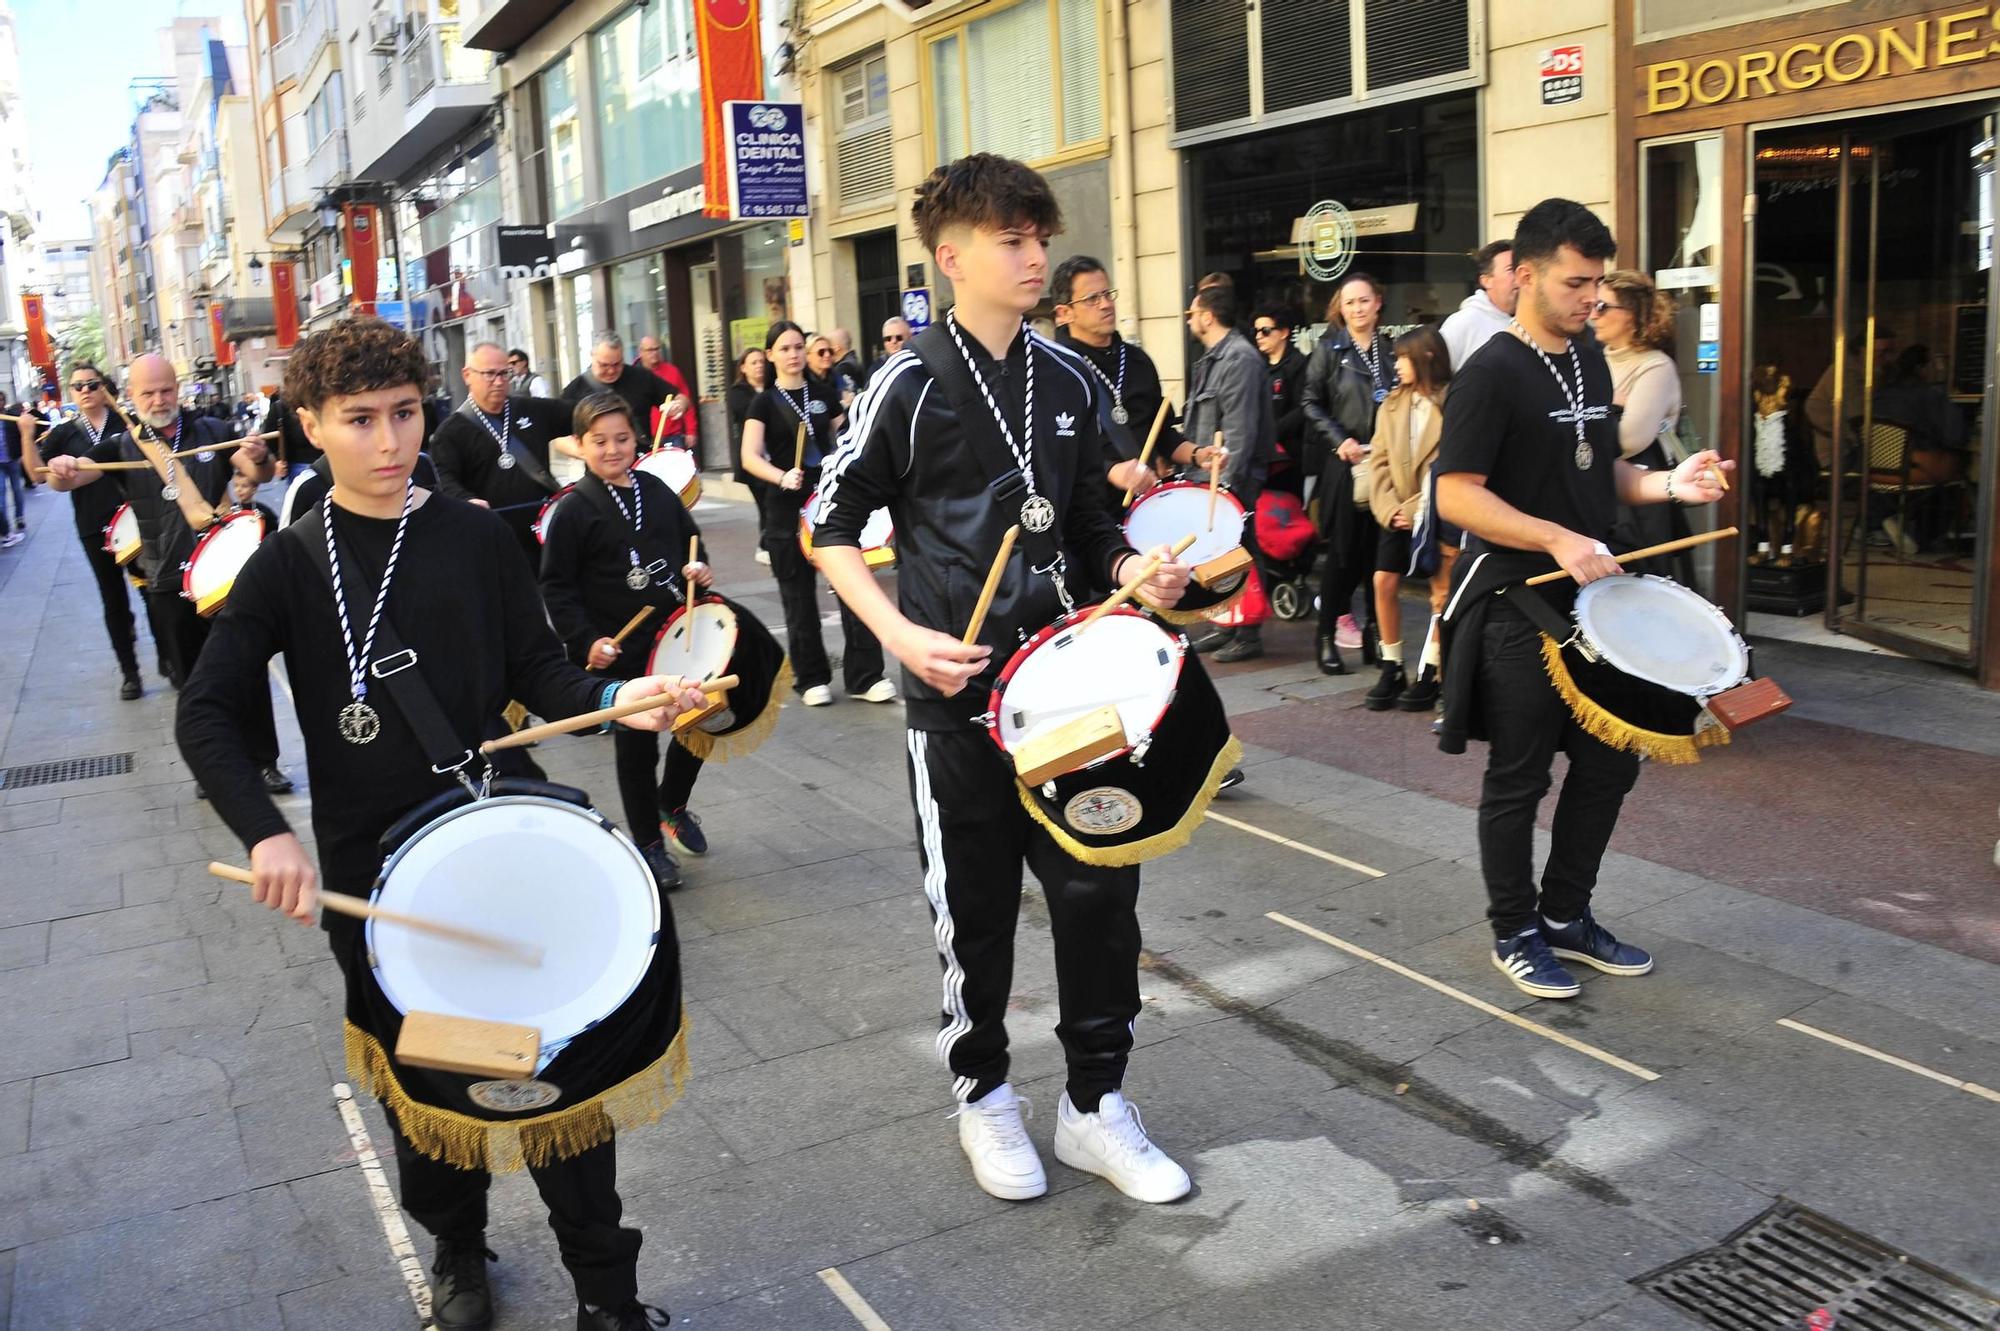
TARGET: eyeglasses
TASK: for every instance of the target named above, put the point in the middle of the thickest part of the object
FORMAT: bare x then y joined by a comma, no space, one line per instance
89,387
892,337
1265,330
492,375
1601,306
1104,297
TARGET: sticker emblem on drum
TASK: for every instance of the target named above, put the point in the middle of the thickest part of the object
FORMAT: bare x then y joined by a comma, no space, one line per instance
1103,811
514,1097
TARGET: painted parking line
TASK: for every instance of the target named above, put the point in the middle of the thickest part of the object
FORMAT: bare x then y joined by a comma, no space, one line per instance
401,1250
1866,1051
851,1299
1512,1019
1299,846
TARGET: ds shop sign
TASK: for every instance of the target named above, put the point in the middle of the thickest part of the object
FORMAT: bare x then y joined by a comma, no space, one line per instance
1562,75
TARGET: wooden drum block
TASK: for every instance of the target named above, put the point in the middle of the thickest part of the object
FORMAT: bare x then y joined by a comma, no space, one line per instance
1069,746
1738,707
1222,567
716,702
461,1044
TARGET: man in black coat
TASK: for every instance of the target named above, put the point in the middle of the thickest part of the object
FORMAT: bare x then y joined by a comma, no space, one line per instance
640,387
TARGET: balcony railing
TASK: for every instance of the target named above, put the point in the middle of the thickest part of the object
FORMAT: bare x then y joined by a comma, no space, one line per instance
437,54
328,165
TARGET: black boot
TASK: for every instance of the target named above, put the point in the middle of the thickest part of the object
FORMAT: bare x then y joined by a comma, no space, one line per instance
275,780
1212,640
1422,695
633,1316
666,869
461,1300
1387,689
1329,657
1247,645
131,688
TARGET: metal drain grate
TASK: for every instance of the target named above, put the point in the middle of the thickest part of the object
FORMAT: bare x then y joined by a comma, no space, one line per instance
1793,1267
66,769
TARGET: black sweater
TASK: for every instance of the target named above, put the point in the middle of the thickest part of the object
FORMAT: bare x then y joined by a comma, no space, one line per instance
585,561
461,599
93,504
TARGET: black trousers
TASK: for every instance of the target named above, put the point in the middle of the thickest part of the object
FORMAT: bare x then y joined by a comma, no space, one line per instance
1526,723
113,591
1350,548
645,790
973,837
798,589
181,632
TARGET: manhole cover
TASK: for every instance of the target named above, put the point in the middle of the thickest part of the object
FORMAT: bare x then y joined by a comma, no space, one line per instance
65,769
1793,1267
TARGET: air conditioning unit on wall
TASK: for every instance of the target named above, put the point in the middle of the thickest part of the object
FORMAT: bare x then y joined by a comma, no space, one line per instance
382,31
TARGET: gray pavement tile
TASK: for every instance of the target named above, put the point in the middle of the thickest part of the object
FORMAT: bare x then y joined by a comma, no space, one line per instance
773,1021
1346,832
32,889
1263,1057
294,996
23,945
99,830
32,1043
113,930
1209,976
1382,1016
1387,915
111,1098
251,1062
1627,883
744,903
292,1134
1464,960
116,1177
154,968
804,1302
258,1314
1638,1141
745,959
1187,1094
1639,1312
16,1098
1950,1052
7,1288
712,1046
876,996
368,1300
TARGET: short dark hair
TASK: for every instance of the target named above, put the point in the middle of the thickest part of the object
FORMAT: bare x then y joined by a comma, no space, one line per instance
1222,280
1280,314
1220,302
515,353
352,356
984,190
110,384
1483,257
1063,284
1553,223
595,408
779,329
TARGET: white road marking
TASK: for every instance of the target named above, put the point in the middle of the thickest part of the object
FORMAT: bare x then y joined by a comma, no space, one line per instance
384,1199
1300,846
851,1299
1855,1047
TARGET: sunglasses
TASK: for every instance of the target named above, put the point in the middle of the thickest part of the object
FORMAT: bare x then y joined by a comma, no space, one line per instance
90,387
824,351
893,337
1265,330
1601,306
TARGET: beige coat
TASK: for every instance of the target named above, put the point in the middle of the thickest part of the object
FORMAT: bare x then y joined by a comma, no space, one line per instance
1398,463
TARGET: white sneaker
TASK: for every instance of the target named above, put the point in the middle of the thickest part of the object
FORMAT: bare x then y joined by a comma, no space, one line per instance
994,1139
880,691
1112,1143
762,556
819,695
1906,544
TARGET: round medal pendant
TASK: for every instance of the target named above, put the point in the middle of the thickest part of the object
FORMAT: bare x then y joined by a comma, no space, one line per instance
506,461
1380,394
359,723
1584,455
170,492
638,579
1038,514
1120,415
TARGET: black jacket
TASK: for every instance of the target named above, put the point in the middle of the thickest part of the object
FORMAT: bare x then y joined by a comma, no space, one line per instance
588,554
1288,394
166,543
640,387
905,450
1339,397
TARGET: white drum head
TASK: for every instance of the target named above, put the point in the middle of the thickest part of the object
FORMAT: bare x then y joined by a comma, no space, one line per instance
696,643
675,466
121,536
548,513
1164,515
1660,631
1127,661
221,556
535,870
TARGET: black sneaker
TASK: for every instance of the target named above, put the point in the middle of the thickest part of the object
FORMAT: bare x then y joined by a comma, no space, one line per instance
1230,780
1212,640
131,688
275,781
684,830
461,1300
1247,645
666,869
1526,960
1388,688
1589,942
1329,656
633,1316
1422,695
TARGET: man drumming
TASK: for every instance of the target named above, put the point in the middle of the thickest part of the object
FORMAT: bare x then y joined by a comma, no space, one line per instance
494,450
1087,323
1528,465
442,575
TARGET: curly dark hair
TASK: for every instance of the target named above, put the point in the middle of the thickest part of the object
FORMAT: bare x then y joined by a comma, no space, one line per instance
984,190
353,356
595,408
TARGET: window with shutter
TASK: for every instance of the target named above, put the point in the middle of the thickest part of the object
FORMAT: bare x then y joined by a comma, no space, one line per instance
1410,40
1026,81
864,144
1211,45
1306,52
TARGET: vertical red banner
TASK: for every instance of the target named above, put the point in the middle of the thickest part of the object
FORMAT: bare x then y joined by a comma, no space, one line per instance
732,70
285,304
39,351
225,350
361,253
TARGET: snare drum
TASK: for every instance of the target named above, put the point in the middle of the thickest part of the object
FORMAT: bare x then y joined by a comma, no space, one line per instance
1220,564
121,535
1117,737
878,536
218,557
548,512
532,865
715,637
675,466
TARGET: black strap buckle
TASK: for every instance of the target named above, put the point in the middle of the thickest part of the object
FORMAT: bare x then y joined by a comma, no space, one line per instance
395,663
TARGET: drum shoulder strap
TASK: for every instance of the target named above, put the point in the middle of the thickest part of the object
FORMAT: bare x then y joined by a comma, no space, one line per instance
536,472
1536,608
414,698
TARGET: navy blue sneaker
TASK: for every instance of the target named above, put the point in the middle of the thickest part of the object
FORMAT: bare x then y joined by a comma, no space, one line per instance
684,830
1591,943
1526,960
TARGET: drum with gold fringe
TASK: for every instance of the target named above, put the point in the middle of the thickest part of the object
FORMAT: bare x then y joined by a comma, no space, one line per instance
711,638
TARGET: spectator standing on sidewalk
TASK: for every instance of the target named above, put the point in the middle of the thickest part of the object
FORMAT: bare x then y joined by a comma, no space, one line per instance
14,516
1486,311
1229,394
895,336
1407,428
526,382
1285,365
1634,324
848,376
682,428
1351,372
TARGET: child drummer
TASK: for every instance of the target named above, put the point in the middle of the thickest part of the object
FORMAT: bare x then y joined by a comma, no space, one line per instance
616,546
981,388
448,578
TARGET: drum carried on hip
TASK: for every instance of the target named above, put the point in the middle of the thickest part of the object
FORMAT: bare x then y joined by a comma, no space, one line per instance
708,639
121,536
878,536
541,527
676,466
1220,562
1654,668
533,863
218,557
1117,737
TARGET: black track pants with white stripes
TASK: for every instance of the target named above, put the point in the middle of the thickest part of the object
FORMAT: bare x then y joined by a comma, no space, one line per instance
974,837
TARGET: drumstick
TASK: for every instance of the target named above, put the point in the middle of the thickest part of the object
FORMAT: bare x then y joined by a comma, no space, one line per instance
1720,479
340,903
1214,477
589,719
1152,437
645,613
1664,548
799,458
993,576
660,429
1133,583
694,549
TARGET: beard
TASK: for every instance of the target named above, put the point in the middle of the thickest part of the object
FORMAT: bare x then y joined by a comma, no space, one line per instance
160,420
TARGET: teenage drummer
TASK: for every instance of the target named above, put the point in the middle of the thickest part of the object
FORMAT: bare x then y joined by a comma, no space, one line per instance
616,546
981,426
445,576
1528,465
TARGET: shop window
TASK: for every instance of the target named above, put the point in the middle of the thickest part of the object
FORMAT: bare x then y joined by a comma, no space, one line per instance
864,142
1307,55
565,136
1657,18
648,94
985,89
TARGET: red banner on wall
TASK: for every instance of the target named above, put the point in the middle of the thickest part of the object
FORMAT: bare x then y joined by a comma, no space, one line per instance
285,304
361,254
732,70
225,350
39,351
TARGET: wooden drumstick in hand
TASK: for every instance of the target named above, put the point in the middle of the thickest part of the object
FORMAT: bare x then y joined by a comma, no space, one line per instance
1146,453
1663,548
1133,583
993,576
645,613
340,903
1214,477
799,457
591,720
660,428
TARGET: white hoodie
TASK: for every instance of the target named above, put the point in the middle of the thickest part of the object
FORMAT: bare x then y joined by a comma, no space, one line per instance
1470,326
